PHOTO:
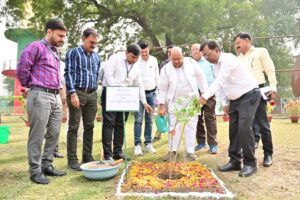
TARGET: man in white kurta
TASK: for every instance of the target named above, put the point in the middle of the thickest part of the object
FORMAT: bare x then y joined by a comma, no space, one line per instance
178,79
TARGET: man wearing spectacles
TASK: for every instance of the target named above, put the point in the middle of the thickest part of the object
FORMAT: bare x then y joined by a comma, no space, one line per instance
240,94
81,75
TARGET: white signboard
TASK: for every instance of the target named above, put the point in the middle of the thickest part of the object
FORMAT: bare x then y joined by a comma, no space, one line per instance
121,99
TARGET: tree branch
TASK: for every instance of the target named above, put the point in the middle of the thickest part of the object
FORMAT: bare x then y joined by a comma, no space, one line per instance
100,7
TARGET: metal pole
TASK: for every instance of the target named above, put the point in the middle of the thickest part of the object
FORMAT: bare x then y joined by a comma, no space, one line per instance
125,150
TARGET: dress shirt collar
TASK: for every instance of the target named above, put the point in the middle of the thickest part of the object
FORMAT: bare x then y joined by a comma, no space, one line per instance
50,46
220,58
85,52
123,57
249,51
202,59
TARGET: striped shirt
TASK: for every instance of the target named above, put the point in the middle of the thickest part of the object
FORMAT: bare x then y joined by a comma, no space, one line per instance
39,66
82,70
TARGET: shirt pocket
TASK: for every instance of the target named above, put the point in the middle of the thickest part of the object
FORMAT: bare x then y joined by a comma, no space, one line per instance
42,100
255,63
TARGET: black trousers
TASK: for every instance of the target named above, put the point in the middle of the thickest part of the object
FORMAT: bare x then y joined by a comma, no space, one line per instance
241,113
208,113
112,130
88,110
262,127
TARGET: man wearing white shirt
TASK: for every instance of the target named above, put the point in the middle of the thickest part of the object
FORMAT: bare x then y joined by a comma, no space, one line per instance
178,79
236,84
259,63
120,70
150,74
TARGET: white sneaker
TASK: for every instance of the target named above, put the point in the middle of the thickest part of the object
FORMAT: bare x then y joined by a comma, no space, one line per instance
138,150
150,148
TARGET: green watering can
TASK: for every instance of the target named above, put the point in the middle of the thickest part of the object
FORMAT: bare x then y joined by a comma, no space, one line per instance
161,124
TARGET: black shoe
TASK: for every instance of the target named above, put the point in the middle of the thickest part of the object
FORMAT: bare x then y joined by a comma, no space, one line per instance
58,155
247,171
88,159
50,171
73,164
39,178
230,167
121,156
267,161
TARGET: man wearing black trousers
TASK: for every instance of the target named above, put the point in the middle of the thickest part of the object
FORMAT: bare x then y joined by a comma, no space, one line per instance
120,70
259,63
81,75
235,83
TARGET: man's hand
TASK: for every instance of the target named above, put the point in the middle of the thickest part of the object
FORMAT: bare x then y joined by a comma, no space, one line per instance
202,101
75,101
24,92
63,95
148,108
162,110
226,110
272,95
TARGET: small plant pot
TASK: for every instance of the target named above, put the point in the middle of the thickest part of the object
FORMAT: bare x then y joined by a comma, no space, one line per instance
294,119
269,118
99,118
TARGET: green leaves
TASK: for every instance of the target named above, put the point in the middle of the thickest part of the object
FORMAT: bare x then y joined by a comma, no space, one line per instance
179,22
186,108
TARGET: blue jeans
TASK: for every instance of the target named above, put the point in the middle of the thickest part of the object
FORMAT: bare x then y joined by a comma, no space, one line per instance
138,119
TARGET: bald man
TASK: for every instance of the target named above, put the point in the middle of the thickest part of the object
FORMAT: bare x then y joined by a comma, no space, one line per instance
208,110
180,78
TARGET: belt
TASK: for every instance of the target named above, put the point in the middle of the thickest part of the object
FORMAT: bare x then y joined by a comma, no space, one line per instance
86,90
52,91
261,85
252,91
149,91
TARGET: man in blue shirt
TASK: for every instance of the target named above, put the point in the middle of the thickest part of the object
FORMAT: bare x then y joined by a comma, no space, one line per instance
81,75
208,109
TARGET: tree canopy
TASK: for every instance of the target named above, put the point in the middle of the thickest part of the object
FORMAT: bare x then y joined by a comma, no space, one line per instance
165,22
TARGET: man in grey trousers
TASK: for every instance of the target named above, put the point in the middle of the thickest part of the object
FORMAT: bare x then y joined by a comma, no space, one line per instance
39,70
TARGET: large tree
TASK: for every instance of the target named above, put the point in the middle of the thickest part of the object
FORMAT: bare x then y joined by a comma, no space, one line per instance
165,22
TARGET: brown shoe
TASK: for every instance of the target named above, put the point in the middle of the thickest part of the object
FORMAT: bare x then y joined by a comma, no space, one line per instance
169,156
191,156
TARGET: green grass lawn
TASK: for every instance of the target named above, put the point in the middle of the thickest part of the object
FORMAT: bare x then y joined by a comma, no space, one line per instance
280,181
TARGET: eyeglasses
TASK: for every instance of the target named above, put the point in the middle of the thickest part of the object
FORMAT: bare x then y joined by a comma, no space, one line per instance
205,55
93,43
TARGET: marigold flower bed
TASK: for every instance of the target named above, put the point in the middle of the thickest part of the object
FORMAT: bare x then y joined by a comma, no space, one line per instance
186,177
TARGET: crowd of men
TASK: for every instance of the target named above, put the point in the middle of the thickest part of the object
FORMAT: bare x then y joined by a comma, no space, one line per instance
208,72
